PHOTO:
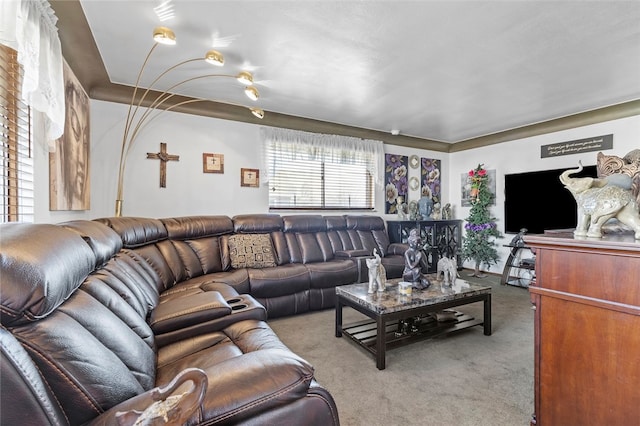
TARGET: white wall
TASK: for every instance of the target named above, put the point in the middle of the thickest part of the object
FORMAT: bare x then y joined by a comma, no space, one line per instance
189,191
523,155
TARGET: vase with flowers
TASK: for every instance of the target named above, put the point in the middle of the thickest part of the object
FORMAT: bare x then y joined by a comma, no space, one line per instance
478,244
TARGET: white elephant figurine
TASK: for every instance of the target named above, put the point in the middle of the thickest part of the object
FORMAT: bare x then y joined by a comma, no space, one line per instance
449,270
377,273
599,200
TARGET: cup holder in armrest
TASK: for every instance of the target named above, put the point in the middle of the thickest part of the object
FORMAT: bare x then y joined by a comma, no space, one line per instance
238,307
234,300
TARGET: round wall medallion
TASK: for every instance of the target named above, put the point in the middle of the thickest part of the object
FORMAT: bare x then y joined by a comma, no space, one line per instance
414,161
414,183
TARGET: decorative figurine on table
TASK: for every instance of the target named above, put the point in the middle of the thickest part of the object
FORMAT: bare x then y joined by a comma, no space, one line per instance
412,257
425,207
446,212
377,273
402,209
449,270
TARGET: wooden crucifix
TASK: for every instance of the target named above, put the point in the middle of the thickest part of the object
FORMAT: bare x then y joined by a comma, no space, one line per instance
163,157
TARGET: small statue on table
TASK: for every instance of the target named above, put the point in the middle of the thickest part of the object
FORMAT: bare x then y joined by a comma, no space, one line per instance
412,257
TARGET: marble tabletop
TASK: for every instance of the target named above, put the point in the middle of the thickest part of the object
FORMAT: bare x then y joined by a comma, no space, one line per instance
391,300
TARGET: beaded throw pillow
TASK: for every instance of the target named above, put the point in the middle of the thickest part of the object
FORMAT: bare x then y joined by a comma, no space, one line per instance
251,251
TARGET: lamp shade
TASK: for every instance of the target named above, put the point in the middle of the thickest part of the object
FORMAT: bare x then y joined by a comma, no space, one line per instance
252,93
258,112
214,58
164,35
245,78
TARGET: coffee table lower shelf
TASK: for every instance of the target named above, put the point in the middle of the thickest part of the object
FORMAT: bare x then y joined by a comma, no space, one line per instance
364,333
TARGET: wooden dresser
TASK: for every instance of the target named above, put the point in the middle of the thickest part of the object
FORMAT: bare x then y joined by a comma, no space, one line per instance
586,297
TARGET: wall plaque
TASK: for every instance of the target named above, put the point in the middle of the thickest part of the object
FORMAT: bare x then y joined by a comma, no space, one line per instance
597,143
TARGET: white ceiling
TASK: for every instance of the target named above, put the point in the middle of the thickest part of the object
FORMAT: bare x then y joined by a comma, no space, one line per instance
440,70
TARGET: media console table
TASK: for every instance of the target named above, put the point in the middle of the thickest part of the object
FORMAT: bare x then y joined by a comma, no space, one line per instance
586,296
397,320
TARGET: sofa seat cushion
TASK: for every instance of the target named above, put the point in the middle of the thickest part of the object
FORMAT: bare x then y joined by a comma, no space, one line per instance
279,281
332,273
251,251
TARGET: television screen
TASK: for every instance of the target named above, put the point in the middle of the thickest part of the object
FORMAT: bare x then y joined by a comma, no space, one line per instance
538,201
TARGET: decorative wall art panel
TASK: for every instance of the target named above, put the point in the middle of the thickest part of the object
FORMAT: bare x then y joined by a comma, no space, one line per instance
396,181
431,178
69,186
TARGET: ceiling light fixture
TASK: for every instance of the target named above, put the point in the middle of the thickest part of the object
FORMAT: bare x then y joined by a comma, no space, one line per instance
159,102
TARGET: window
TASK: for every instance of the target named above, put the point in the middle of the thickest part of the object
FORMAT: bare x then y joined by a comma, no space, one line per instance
16,167
318,175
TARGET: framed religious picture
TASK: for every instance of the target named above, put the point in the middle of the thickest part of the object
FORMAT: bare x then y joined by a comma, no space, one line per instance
212,163
69,160
250,177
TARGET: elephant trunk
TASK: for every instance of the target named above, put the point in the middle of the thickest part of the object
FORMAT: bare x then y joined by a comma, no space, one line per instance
564,177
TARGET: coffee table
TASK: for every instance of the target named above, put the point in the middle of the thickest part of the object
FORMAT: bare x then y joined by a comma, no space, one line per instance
397,320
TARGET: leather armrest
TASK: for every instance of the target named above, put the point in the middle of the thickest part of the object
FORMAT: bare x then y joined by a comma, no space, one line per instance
397,248
352,253
186,311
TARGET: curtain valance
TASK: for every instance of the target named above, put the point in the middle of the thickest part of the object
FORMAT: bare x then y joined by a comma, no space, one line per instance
29,27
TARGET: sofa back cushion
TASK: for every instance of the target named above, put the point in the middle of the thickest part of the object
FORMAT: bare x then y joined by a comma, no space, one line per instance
89,341
307,239
41,266
368,232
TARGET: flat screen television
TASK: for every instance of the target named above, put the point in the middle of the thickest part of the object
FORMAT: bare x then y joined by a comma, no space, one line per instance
538,201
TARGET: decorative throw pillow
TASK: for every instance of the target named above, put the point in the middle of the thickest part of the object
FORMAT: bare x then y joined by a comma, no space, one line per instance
251,251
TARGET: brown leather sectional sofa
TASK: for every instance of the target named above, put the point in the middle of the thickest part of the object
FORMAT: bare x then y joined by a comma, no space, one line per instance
95,314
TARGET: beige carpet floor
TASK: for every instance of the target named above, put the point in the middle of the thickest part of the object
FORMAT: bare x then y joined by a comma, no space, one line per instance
464,379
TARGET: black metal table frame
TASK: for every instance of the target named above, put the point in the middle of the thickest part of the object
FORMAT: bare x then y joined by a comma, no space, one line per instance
381,320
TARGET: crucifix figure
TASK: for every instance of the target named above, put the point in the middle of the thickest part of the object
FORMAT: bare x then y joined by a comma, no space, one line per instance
163,157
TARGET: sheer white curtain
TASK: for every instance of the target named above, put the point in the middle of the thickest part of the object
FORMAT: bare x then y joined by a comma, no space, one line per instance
293,144
29,27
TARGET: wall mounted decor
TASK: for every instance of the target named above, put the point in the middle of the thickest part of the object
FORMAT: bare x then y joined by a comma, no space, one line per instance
465,188
431,179
414,161
69,163
163,156
395,179
212,163
250,177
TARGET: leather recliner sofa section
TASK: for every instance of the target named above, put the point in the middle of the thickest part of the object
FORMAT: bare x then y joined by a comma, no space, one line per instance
97,314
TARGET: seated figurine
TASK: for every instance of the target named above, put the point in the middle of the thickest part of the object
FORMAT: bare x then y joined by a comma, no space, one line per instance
412,257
